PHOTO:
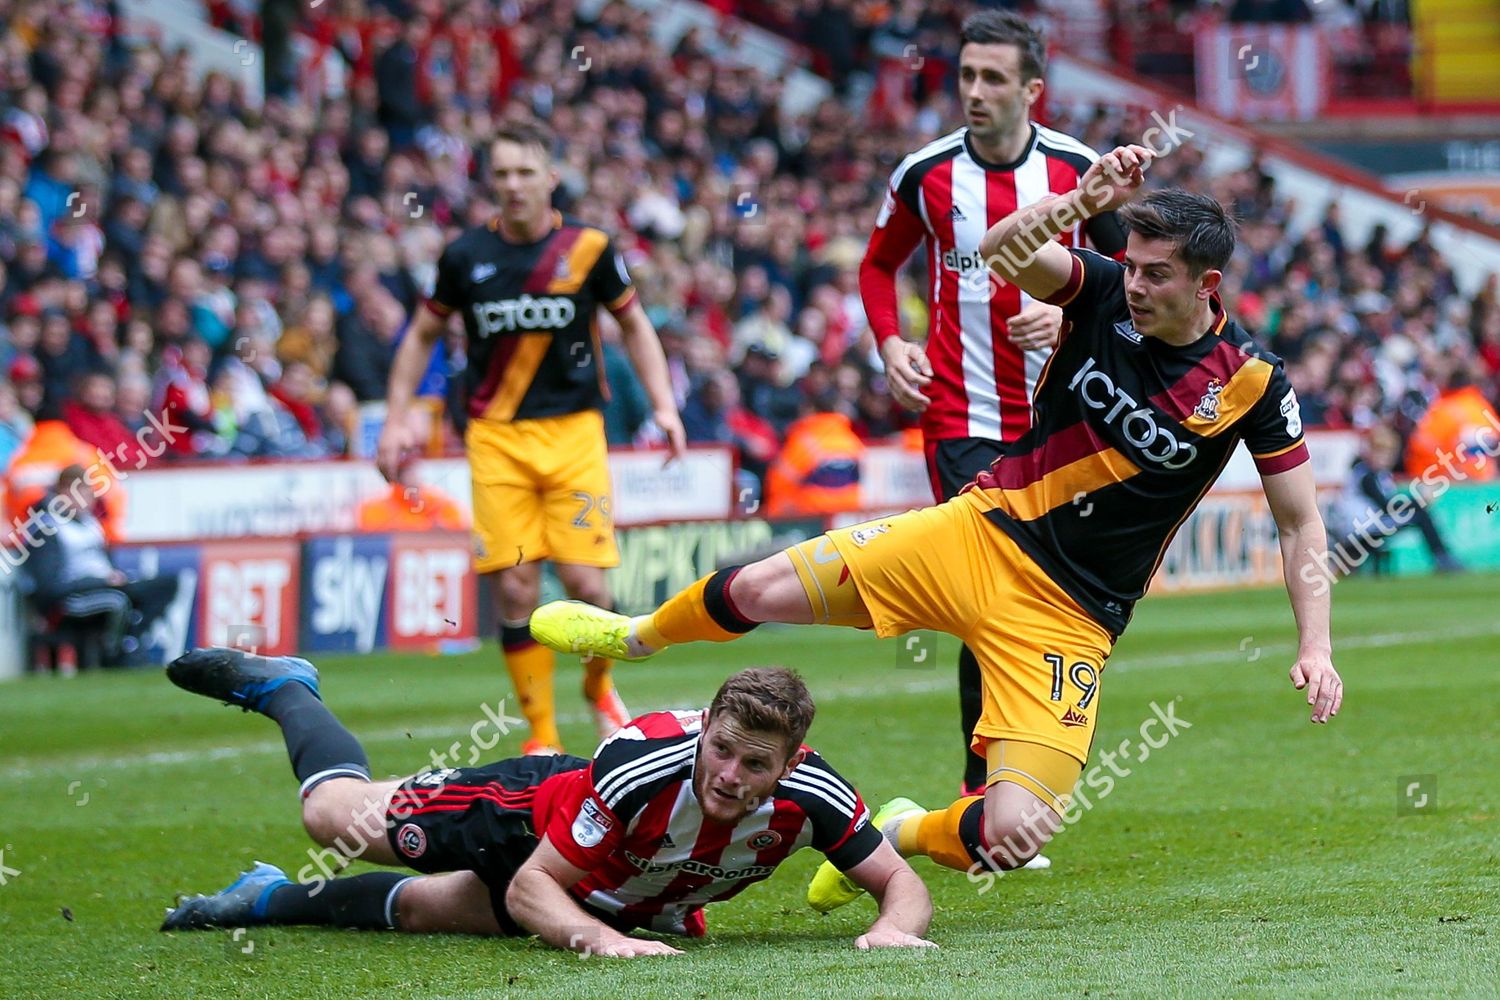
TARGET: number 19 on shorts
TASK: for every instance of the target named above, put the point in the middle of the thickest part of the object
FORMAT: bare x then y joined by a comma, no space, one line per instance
1081,675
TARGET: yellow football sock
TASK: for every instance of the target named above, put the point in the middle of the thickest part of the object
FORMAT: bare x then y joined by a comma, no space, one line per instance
936,835
598,677
684,618
531,668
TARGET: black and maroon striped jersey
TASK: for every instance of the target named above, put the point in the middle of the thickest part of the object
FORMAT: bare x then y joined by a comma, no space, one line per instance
1130,433
633,822
948,195
528,311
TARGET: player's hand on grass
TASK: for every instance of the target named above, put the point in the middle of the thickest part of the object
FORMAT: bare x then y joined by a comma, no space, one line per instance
1035,327
670,424
1114,178
907,372
885,938
629,947
396,439
1325,689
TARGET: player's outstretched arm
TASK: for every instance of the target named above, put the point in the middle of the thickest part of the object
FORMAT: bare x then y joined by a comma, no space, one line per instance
905,906
407,367
1293,498
1022,247
538,900
650,362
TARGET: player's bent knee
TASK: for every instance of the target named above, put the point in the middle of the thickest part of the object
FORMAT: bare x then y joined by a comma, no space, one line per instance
455,903
769,591
349,816
1017,825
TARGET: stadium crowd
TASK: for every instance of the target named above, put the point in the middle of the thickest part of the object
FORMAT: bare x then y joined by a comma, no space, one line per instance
166,247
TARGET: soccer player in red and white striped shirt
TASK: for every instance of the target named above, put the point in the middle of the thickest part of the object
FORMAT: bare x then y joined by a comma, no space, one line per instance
677,810
987,342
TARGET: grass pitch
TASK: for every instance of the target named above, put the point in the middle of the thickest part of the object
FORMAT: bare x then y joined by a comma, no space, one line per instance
1253,854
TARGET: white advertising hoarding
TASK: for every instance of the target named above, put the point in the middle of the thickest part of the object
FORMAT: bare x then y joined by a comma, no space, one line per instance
291,498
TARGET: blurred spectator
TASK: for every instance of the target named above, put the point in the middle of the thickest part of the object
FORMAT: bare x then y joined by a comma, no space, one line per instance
25,376
35,468
408,506
186,400
817,470
627,408
91,416
761,390
1460,433
15,426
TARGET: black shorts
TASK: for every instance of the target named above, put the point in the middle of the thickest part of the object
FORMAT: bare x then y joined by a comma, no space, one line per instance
952,463
474,819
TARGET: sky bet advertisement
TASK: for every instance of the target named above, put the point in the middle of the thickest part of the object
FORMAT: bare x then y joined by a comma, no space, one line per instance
337,594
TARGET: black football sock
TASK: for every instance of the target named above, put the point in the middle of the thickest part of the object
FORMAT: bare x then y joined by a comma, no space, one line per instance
970,704
317,742
366,901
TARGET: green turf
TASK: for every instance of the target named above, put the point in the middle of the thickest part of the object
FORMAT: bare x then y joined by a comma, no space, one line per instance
1253,855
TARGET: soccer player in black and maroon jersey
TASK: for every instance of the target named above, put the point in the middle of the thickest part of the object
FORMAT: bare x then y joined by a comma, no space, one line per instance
1038,564
987,342
529,285
676,811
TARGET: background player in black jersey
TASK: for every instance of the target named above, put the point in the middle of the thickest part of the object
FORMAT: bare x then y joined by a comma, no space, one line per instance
528,285
678,810
1149,393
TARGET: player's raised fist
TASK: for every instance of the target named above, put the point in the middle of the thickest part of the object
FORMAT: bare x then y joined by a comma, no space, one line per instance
1114,178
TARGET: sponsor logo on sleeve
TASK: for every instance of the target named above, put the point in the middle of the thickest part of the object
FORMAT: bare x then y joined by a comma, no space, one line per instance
1292,412
591,824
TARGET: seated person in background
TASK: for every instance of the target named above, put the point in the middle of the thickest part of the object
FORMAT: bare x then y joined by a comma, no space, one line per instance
1364,516
74,576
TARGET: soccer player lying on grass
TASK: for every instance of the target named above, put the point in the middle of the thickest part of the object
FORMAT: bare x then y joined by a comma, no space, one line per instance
1037,564
676,810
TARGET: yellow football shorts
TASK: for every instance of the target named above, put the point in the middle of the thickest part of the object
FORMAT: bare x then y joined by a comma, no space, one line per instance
945,568
541,491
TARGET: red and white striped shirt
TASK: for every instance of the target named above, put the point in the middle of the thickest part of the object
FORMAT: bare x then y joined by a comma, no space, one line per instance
633,822
949,196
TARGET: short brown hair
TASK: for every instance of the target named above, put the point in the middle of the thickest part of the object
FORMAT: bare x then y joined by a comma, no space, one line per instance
1198,224
1006,27
525,132
767,700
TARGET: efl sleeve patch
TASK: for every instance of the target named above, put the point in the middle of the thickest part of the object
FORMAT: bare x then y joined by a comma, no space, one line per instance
591,824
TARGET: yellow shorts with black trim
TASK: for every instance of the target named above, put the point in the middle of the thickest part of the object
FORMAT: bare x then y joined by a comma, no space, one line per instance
541,491
946,568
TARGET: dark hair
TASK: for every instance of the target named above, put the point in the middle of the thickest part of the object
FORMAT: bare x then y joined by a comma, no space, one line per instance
767,700
1006,27
1196,223
525,132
